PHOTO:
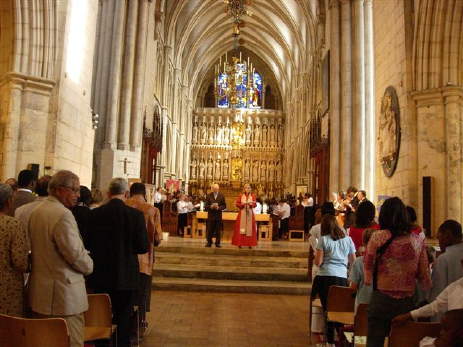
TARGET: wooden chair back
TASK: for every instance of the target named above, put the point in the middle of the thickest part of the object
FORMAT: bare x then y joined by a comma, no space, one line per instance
22,332
99,312
361,320
411,333
340,299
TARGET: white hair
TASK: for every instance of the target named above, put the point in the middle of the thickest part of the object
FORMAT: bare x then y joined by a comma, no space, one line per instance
118,186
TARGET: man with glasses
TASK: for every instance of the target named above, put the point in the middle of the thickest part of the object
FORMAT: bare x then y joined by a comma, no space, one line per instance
59,259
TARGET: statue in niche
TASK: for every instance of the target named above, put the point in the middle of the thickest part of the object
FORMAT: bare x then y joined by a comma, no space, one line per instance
257,135
263,171
255,171
248,135
271,171
389,131
226,135
194,134
280,135
219,134
202,169
211,134
193,169
217,170
210,168
246,170
264,135
203,133
225,169
278,171
271,136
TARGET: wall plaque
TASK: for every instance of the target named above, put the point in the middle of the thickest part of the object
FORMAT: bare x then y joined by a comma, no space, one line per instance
389,132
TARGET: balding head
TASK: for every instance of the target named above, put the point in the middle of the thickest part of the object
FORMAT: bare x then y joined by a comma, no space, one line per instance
215,187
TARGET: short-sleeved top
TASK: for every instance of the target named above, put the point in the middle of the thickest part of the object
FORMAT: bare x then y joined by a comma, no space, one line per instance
356,275
357,234
335,255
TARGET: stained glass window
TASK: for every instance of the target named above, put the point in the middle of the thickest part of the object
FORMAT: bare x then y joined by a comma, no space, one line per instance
248,91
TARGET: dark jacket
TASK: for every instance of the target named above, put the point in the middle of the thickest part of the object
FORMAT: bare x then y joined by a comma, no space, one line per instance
116,234
82,215
213,214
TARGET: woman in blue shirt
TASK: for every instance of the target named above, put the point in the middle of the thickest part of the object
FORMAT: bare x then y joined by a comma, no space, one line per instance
335,251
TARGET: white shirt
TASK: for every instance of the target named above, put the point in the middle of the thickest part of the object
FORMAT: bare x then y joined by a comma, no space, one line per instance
450,299
284,211
24,190
182,206
258,208
157,197
309,202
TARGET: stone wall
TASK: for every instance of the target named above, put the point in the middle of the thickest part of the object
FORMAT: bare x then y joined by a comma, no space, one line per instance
391,69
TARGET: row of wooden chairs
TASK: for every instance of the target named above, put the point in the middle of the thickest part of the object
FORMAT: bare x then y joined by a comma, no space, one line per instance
340,309
53,332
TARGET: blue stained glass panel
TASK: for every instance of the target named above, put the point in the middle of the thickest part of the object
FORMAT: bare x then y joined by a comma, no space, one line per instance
222,86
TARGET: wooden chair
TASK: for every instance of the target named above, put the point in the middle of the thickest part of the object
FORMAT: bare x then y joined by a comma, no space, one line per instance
187,232
98,318
200,231
22,332
264,233
361,322
340,305
411,333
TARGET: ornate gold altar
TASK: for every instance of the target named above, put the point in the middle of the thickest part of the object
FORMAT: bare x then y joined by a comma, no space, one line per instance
233,147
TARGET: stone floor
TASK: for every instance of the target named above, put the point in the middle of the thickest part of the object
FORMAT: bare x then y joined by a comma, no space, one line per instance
225,319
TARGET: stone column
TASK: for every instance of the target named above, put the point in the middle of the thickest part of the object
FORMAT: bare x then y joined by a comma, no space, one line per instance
127,73
370,124
453,97
346,97
358,94
115,75
335,128
139,76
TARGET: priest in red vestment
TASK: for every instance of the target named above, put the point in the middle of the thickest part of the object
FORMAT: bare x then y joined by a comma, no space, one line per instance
245,233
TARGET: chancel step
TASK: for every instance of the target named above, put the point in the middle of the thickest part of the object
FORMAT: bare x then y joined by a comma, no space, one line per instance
227,260
232,286
185,265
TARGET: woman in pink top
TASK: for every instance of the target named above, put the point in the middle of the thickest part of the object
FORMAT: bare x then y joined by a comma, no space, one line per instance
394,260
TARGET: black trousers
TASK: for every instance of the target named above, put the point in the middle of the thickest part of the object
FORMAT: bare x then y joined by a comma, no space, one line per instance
284,228
213,229
381,310
182,223
144,295
321,285
159,207
122,302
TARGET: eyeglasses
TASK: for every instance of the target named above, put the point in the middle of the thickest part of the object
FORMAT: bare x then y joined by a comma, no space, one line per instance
74,190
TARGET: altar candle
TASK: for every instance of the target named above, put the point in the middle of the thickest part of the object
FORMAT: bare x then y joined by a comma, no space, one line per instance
201,206
264,208
240,57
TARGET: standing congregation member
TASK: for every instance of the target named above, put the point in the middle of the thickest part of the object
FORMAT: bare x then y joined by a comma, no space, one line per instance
153,227
364,219
447,267
335,251
23,195
215,204
183,208
159,200
13,183
395,258
81,212
41,189
14,250
245,233
283,210
117,234
59,259
307,203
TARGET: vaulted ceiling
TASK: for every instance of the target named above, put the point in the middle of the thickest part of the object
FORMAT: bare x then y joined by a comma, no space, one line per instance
281,33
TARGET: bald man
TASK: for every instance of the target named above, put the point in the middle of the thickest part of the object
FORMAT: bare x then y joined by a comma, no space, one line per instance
215,204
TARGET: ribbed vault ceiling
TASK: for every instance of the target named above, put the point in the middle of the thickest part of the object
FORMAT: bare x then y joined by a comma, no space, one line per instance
280,32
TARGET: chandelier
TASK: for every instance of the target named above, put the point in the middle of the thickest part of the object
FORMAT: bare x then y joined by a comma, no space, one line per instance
237,9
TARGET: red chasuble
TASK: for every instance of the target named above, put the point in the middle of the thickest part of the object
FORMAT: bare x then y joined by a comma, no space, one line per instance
245,233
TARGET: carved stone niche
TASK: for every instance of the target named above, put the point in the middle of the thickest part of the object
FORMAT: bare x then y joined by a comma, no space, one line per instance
389,132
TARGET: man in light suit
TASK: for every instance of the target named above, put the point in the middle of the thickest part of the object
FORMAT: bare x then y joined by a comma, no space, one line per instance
59,259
